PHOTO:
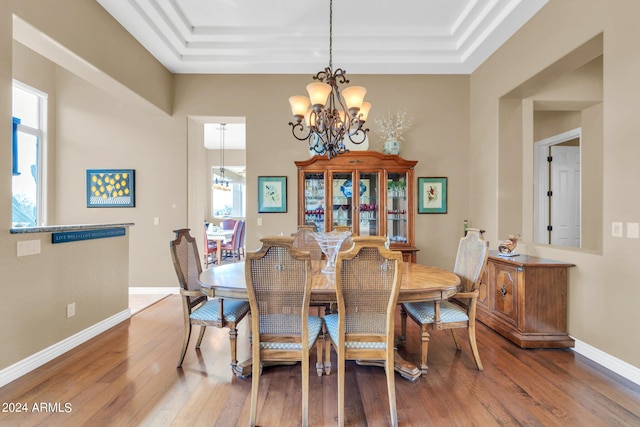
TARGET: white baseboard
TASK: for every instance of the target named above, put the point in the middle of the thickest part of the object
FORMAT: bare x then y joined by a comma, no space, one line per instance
143,290
38,359
610,362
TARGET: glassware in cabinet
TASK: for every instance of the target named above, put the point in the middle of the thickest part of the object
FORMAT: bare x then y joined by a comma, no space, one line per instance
314,197
397,207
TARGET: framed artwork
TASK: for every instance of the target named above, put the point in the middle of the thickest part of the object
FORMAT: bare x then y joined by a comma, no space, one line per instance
272,194
110,188
432,195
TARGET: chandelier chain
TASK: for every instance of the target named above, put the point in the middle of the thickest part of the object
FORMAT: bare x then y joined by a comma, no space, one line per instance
331,34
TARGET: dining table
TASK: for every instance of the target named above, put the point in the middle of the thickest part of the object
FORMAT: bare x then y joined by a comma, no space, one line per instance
219,236
419,283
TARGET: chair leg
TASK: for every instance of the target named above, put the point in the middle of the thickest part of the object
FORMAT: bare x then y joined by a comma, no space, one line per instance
305,388
455,339
319,347
327,355
202,329
402,339
255,379
391,390
233,344
185,343
341,366
474,347
424,348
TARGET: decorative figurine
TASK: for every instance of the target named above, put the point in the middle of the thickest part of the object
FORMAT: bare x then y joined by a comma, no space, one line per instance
508,246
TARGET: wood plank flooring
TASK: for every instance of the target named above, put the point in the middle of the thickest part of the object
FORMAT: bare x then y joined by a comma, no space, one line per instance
127,377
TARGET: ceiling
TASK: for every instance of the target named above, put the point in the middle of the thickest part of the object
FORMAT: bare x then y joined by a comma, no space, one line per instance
292,36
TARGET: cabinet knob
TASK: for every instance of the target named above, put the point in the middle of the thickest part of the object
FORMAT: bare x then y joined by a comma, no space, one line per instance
503,291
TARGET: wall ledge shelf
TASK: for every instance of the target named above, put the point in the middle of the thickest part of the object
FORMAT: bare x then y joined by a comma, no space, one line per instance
62,228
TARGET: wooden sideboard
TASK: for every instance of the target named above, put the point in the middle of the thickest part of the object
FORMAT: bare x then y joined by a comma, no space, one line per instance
524,298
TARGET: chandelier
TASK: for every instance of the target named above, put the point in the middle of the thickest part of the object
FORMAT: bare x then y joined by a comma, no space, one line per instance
325,118
220,182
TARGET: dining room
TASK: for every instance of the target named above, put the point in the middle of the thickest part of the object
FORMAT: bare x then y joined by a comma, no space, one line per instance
555,323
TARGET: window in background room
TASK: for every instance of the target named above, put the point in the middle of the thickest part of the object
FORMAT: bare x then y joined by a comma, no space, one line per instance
29,118
227,197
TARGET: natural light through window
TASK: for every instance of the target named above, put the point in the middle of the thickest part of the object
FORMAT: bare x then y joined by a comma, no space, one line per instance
29,113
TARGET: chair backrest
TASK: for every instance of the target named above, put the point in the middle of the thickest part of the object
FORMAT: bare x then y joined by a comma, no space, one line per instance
186,260
228,224
242,234
471,259
278,279
237,234
368,277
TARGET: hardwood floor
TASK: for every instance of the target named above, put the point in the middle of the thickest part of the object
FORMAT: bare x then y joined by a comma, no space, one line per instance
127,376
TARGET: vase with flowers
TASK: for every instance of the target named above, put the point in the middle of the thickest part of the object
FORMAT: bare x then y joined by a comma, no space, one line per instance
392,127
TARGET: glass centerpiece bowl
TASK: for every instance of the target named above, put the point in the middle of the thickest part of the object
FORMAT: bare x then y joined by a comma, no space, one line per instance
330,242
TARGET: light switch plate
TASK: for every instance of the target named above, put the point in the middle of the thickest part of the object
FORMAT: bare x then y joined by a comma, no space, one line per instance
616,229
633,230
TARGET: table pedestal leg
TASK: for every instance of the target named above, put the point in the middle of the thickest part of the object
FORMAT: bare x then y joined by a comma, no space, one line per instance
406,369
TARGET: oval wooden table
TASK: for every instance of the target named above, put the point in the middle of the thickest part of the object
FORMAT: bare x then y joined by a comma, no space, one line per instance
419,283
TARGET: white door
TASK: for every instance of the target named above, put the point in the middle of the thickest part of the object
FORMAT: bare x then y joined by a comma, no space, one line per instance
564,201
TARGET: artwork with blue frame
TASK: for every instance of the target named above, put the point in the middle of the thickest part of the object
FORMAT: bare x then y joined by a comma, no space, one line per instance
111,188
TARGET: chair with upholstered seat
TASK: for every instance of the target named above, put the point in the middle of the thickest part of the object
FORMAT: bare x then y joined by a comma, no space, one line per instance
368,277
232,247
471,260
227,224
278,278
210,249
197,308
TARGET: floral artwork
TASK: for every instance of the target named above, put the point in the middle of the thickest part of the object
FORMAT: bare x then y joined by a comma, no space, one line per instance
432,195
110,188
272,194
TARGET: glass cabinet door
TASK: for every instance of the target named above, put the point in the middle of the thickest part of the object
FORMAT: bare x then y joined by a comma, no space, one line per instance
342,200
314,200
369,205
397,207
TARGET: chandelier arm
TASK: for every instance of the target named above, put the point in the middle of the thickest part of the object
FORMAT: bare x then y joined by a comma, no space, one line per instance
298,131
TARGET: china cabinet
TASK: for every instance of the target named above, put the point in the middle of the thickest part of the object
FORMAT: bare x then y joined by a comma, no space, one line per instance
369,192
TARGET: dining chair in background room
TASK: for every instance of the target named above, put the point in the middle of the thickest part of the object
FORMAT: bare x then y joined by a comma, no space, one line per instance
197,308
210,249
471,259
241,248
368,277
232,247
227,224
278,279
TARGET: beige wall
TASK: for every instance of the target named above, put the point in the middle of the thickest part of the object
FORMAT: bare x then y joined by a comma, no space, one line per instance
603,286
122,119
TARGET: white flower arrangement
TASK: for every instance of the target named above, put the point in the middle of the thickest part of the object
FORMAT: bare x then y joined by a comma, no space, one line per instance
393,125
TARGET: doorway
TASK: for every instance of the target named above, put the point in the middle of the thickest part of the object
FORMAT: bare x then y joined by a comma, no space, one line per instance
557,190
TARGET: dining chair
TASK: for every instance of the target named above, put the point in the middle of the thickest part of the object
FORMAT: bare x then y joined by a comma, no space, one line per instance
227,224
197,308
210,249
278,278
232,247
471,259
368,277
241,248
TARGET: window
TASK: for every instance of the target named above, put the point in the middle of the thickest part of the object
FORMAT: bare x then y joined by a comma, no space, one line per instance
227,197
29,118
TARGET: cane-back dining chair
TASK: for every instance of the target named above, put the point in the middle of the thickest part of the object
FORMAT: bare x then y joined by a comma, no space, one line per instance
471,260
197,308
368,277
278,278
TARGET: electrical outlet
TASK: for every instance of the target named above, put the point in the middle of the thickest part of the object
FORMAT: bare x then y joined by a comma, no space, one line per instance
616,229
259,222
71,310
156,220
633,230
